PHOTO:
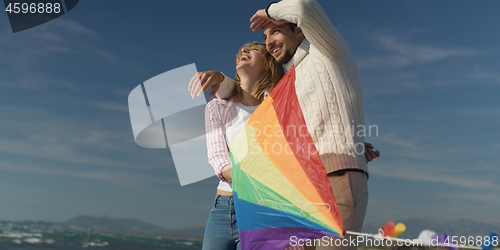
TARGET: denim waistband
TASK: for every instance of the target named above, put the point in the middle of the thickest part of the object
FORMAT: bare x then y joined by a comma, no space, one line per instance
224,199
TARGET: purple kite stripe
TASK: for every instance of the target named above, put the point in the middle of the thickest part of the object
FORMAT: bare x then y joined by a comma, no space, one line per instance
277,238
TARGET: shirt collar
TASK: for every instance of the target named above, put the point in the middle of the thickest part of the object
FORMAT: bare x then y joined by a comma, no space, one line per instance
300,53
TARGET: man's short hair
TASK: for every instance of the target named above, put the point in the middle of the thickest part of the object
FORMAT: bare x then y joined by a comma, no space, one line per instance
292,26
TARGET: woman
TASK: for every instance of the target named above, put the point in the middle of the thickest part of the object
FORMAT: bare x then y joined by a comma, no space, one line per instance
256,75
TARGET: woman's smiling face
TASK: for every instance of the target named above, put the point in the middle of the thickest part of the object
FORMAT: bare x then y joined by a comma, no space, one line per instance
251,58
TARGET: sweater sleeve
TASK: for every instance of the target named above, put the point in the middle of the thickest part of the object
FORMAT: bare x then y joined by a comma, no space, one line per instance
218,152
226,88
312,19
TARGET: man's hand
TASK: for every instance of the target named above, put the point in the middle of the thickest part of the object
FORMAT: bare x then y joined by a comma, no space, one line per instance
260,20
369,153
202,80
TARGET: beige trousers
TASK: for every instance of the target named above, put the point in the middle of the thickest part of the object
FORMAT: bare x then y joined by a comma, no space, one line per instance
351,194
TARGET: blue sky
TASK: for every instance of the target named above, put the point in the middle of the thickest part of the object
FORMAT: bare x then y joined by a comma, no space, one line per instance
430,73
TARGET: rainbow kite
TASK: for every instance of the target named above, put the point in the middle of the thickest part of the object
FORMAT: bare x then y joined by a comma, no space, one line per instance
280,187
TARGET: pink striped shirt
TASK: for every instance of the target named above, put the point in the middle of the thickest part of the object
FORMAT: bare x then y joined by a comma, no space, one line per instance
218,116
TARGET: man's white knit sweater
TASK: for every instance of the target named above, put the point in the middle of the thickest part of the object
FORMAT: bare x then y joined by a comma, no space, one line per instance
327,84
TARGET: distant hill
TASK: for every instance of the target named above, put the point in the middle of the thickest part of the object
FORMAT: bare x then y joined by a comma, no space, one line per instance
415,225
131,226
107,224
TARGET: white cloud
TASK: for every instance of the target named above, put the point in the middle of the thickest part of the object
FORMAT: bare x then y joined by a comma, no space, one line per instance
69,140
431,173
71,27
27,55
417,147
400,53
109,106
86,173
50,34
393,139
422,158
486,197
37,82
39,140
477,73
470,111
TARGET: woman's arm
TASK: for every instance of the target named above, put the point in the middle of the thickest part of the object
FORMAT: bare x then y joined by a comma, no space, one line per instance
218,152
226,172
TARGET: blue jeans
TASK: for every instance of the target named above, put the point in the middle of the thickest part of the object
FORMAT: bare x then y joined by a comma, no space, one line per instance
221,232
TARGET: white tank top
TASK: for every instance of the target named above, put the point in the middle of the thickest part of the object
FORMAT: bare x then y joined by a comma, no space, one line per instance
242,115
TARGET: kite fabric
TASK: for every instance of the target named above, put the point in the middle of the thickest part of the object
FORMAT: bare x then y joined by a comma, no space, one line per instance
280,187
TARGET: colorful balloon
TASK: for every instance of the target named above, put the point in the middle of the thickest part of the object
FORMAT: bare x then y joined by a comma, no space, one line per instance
398,229
391,230
428,237
388,228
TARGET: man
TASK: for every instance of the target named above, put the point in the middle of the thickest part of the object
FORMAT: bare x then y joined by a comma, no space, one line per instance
298,33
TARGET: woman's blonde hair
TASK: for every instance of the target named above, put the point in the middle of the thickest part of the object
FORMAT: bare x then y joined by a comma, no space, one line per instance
274,72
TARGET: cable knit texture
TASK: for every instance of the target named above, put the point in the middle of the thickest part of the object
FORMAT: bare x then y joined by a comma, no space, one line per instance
328,85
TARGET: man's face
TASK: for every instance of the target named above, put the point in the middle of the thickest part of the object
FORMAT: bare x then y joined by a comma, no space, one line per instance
281,41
